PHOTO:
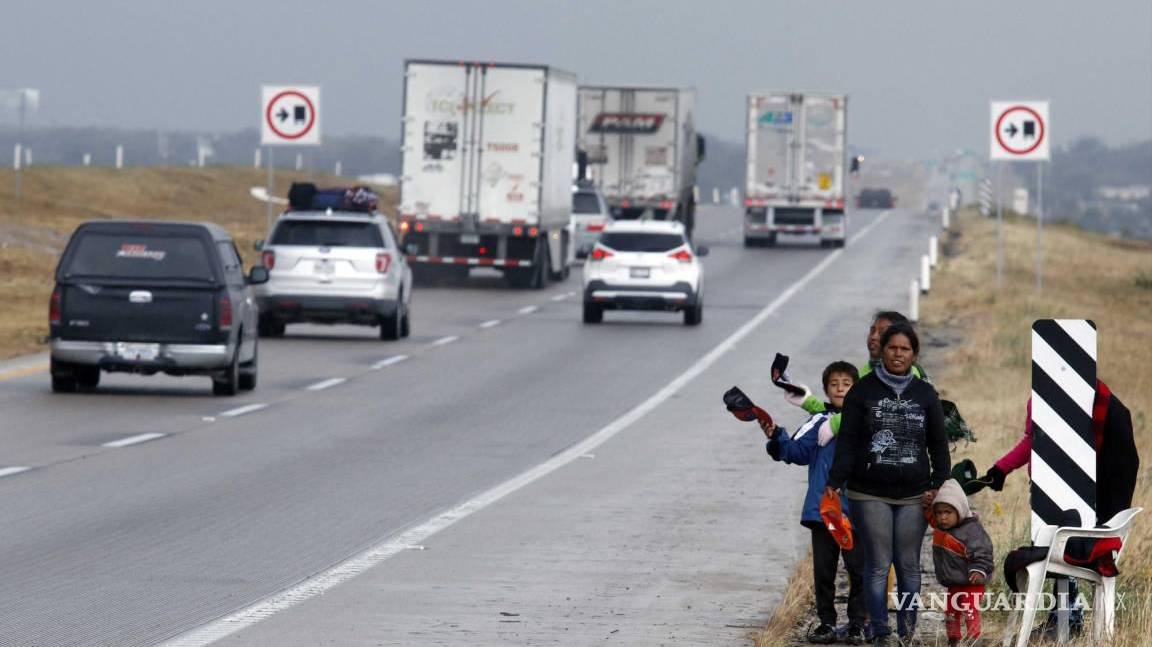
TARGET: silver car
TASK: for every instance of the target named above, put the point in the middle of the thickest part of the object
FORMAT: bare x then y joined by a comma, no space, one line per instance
590,215
334,264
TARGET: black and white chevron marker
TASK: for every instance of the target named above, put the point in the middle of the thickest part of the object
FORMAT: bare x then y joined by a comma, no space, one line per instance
1063,444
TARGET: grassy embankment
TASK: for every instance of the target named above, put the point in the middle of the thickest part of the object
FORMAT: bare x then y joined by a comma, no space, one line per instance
987,372
56,200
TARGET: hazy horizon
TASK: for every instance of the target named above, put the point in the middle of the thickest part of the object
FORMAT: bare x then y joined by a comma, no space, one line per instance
919,76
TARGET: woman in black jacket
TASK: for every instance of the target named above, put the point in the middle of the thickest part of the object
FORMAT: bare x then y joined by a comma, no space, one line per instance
891,456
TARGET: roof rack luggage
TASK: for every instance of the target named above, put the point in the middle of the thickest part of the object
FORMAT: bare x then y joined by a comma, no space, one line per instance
304,196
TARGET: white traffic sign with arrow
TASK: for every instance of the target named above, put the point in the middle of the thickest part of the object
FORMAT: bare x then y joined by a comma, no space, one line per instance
1020,130
290,115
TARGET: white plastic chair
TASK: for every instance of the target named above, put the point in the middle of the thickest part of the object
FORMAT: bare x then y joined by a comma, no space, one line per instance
1031,578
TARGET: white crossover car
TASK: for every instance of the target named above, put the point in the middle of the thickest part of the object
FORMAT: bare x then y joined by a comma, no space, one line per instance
644,265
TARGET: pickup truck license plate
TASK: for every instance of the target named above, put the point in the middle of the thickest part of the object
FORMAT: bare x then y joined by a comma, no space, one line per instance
141,352
640,272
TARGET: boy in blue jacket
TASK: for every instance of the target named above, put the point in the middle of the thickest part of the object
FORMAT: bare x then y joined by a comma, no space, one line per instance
814,445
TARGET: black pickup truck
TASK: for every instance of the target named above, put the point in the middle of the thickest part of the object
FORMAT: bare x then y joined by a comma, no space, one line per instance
153,297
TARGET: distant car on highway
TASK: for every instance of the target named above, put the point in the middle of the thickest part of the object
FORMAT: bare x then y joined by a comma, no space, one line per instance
333,258
875,199
153,297
590,215
644,265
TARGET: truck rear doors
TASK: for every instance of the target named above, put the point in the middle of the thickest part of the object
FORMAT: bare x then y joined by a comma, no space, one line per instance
472,143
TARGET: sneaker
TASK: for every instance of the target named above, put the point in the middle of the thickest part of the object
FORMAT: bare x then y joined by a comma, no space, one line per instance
822,634
855,635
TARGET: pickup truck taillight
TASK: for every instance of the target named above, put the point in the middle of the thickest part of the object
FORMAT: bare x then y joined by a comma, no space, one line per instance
268,259
225,313
383,262
54,308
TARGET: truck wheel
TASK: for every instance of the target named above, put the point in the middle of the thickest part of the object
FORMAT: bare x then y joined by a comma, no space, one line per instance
87,377
62,377
228,383
593,313
752,242
838,243
269,327
248,371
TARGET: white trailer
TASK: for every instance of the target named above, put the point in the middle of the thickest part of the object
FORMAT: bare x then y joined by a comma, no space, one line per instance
795,167
641,149
487,157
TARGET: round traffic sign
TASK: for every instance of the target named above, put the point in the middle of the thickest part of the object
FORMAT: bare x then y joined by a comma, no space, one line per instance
1034,116
287,108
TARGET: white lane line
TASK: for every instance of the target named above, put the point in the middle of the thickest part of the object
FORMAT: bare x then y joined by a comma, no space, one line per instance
326,384
134,440
560,297
416,536
527,310
9,471
491,323
864,232
390,361
239,411
444,341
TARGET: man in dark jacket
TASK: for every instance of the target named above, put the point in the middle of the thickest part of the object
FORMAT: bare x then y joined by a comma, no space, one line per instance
962,556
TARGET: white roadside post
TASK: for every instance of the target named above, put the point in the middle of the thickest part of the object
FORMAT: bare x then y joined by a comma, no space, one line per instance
299,161
28,157
119,157
339,170
914,301
925,274
256,158
1020,133
87,159
934,250
945,218
289,116
715,196
17,155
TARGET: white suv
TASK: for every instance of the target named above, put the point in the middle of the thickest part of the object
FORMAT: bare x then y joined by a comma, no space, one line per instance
332,258
644,265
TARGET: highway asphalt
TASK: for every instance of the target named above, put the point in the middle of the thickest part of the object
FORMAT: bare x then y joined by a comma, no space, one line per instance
152,508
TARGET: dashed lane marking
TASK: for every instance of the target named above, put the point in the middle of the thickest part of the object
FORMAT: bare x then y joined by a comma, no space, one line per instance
491,323
134,440
10,471
239,411
326,384
415,536
444,341
527,310
560,297
389,361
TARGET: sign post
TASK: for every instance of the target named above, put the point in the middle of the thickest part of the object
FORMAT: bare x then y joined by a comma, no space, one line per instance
289,116
1019,133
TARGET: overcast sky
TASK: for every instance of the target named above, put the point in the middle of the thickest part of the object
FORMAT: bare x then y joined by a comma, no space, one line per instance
919,73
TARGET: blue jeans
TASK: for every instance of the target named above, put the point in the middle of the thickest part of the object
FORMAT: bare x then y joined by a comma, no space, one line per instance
891,535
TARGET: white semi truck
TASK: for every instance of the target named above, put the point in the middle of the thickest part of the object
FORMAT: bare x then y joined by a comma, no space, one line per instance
796,167
487,158
640,148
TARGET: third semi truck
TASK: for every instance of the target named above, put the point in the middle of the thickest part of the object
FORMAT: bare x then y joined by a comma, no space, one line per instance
795,167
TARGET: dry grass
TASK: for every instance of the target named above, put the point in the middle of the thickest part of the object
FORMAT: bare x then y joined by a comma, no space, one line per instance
56,200
792,610
988,373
